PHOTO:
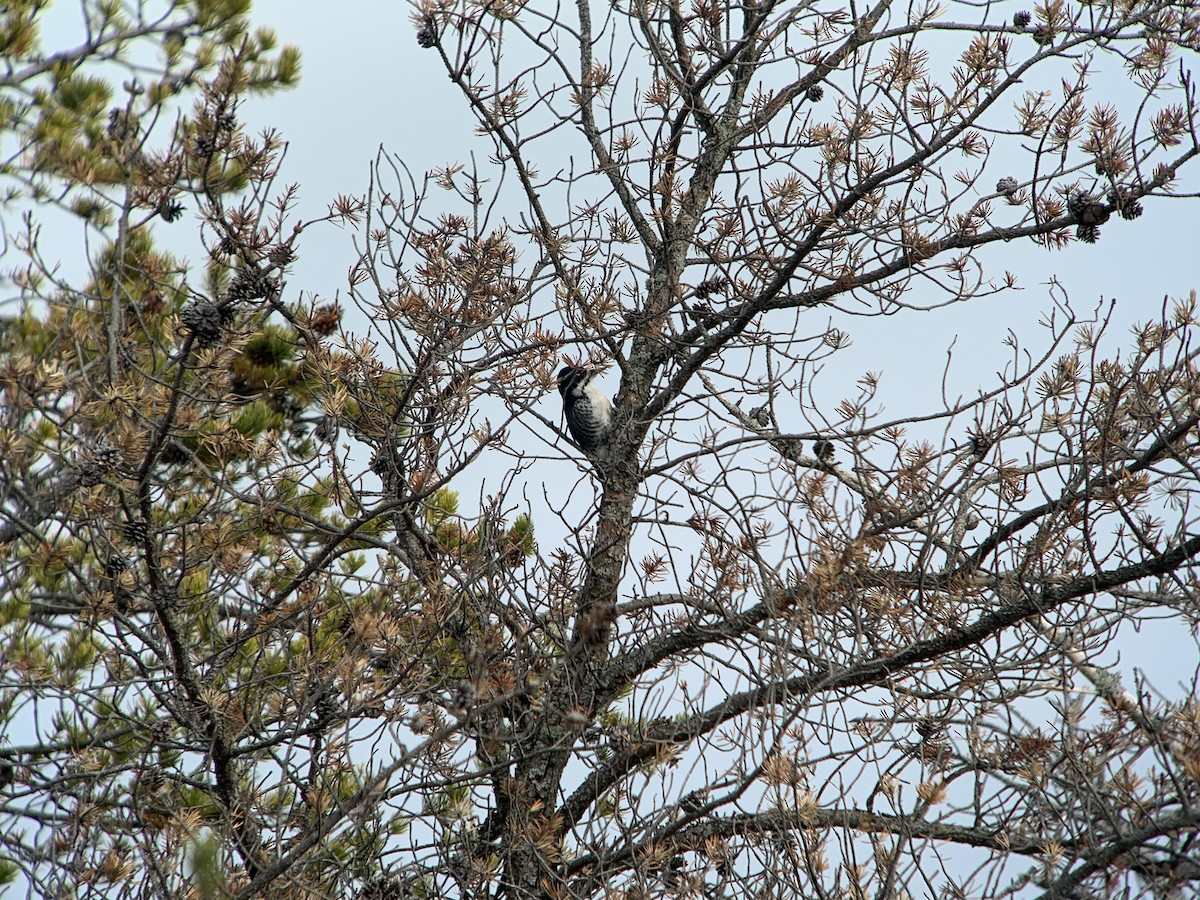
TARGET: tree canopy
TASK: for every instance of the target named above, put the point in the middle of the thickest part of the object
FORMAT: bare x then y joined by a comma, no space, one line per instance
311,597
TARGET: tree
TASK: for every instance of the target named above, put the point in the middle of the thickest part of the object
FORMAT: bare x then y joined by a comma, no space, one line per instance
257,643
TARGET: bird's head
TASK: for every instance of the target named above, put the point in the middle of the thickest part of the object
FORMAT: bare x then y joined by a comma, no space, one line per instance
572,378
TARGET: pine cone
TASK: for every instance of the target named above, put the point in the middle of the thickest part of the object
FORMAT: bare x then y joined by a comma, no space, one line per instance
325,319
204,320
115,565
136,531
106,453
710,286
427,36
88,473
170,210
250,284
1022,18
1131,209
383,887
1125,203
1077,202
980,443
1007,186
280,255
1086,209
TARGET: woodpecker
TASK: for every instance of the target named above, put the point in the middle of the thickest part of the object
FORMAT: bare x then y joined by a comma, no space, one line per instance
589,413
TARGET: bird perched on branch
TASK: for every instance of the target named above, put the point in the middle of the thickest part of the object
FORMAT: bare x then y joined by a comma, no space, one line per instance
589,413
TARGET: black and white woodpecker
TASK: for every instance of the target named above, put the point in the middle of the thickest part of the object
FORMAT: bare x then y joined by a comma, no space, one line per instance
589,413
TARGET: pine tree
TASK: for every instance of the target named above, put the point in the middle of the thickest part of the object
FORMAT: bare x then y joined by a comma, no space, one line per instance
274,618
